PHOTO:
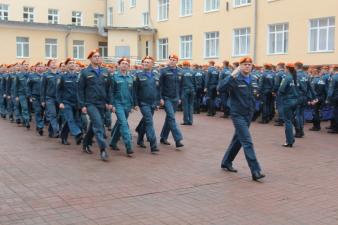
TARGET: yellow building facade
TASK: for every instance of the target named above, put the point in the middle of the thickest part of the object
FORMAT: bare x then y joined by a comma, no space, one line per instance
196,30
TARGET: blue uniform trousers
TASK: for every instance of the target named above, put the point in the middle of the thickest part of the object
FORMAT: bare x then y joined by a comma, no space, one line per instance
170,107
241,138
289,111
38,112
71,121
188,106
279,105
2,105
198,99
52,116
268,104
10,107
300,116
96,127
146,126
212,94
121,127
24,108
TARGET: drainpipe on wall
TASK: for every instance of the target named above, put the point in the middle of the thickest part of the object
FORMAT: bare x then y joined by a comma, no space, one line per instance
69,30
254,57
153,47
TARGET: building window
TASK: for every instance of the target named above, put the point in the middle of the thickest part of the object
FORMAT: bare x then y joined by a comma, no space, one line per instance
53,16
132,3
110,16
78,49
122,51
3,12
103,49
147,48
162,10
76,18
322,34
51,48
211,5
278,38
28,14
186,47
120,6
241,41
98,19
239,3
145,19
186,8
162,49
211,44
22,47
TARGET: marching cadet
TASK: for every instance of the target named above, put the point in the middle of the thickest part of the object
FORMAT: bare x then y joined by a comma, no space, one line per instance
3,91
48,98
170,98
11,104
327,77
199,79
123,100
94,97
242,88
266,88
20,92
187,92
34,92
333,99
147,99
319,87
66,95
211,82
224,96
280,75
289,93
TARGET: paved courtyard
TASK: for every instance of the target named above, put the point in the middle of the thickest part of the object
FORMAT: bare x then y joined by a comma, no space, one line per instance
43,182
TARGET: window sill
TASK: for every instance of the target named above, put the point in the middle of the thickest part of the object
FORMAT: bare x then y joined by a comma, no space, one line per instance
19,57
237,56
183,16
164,20
241,6
272,54
211,11
316,52
211,57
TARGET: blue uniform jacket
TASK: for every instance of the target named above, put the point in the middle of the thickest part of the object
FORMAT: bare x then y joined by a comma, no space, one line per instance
267,82
66,89
147,88
170,83
34,85
242,94
212,77
20,86
188,82
333,89
48,85
122,89
289,91
199,79
319,87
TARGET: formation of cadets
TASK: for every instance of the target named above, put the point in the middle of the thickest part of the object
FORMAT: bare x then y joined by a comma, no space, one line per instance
69,97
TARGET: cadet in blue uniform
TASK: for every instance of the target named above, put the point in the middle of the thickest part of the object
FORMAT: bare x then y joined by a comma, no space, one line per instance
170,98
94,97
333,99
242,88
9,94
34,92
318,85
280,75
226,72
211,82
20,92
147,99
327,77
266,88
123,100
289,93
48,98
3,91
199,79
66,95
188,91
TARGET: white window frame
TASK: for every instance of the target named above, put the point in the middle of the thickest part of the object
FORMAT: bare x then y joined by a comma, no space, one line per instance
30,14
120,7
78,19
162,57
50,48
162,7
54,16
145,19
285,34
241,3
208,51
318,28
132,3
4,12
186,47
208,6
22,45
78,51
110,16
184,10
96,18
247,36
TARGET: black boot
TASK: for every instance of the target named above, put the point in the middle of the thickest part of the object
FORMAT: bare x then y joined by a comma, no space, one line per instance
78,139
298,133
103,155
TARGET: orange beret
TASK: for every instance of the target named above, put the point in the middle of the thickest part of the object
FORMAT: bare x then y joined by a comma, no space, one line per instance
173,56
9,66
80,64
92,52
290,65
49,61
14,64
335,67
147,57
23,62
212,62
280,64
298,63
67,60
123,59
38,64
325,67
245,60
186,63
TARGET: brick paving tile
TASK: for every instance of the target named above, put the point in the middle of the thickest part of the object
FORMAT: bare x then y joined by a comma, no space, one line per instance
43,182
